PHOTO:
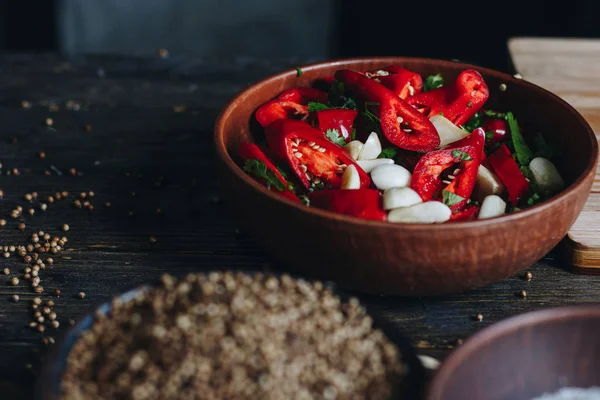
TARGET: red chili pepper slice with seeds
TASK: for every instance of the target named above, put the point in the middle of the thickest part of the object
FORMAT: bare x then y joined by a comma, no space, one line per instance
337,118
457,102
401,124
468,214
461,159
313,158
292,102
401,81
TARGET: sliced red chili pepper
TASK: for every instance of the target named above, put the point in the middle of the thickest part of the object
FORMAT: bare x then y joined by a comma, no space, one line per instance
402,82
401,124
507,169
468,214
361,203
289,103
312,157
464,156
457,102
274,180
339,119
496,130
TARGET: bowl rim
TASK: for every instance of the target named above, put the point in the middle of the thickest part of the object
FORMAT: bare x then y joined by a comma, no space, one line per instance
497,330
571,190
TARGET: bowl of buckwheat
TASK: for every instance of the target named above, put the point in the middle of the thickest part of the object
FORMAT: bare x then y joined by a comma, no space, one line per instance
232,335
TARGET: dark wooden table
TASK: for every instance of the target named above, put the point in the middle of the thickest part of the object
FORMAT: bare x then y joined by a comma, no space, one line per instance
150,147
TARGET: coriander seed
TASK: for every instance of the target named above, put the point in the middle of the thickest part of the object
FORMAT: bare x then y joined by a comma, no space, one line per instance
21,226
49,122
28,197
502,87
15,298
41,328
14,281
152,239
43,206
56,293
81,295
528,275
65,227
38,289
523,294
6,271
479,317
55,324
2,222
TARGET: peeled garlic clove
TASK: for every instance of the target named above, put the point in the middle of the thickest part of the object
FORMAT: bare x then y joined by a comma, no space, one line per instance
487,183
492,206
369,165
350,178
389,176
546,175
400,197
354,148
429,212
447,131
371,149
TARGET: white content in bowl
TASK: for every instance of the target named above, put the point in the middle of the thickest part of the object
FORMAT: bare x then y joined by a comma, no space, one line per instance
570,393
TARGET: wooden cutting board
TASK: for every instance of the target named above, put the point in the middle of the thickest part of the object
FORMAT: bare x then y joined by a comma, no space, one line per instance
570,68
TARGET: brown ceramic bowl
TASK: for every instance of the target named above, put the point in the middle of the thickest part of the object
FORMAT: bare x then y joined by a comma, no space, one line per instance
409,259
524,357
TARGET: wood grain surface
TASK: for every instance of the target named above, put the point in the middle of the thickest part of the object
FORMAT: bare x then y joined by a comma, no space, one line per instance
570,68
138,137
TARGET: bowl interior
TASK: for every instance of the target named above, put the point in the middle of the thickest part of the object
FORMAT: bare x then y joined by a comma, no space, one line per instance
48,386
537,110
524,357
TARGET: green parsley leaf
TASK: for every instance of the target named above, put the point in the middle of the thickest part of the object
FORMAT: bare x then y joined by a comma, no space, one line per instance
473,123
461,155
314,106
337,96
259,170
523,152
433,82
299,72
334,136
450,198
495,114
305,200
388,152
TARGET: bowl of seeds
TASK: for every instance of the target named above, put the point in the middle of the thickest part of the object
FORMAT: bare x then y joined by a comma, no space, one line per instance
232,335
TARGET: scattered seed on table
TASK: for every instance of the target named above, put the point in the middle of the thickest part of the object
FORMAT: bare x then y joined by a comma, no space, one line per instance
163,53
152,239
21,226
31,211
15,171
46,172
27,259
2,222
45,340
50,199
522,294
82,195
502,87
77,204
6,271
65,227
37,300
528,275
64,193
107,204
25,104
56,292
479,317
55,324
14,281
81,295
71,321
32,324
87,128
15,298
42,155
27,277
51,340
41,328
6,254
50,303
50,261
38,289
49,122
72,171
43,206
28,196
46,310
459,342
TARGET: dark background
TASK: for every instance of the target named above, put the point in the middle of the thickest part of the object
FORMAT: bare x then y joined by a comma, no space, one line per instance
472,31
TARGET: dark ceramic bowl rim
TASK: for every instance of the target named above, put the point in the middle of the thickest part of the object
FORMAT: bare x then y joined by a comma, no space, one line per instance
571,190
48,384
500,329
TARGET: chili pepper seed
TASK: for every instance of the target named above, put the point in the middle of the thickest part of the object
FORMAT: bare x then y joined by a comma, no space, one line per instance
502,87
528,275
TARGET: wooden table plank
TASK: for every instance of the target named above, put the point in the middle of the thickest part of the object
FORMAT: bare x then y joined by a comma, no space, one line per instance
137,137
570,68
